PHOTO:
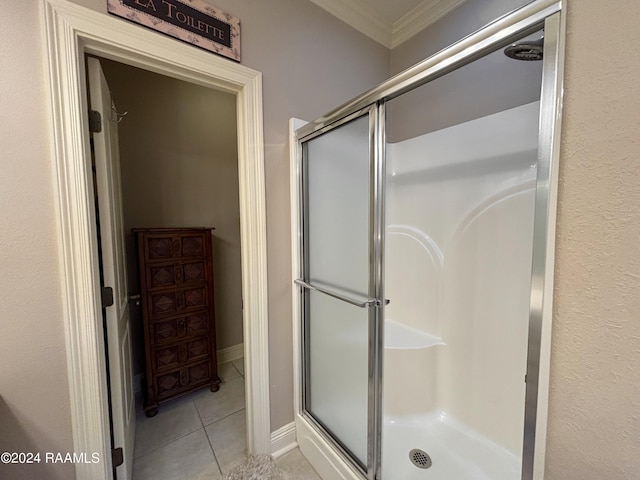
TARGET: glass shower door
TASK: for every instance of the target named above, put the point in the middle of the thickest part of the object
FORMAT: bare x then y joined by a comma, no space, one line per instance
459,235
336,172
462,154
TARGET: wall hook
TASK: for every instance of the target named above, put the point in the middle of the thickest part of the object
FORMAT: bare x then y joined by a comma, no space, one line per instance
117,117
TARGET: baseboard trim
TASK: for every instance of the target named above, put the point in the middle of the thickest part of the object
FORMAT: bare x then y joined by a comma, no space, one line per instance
320,455
283,440
230,354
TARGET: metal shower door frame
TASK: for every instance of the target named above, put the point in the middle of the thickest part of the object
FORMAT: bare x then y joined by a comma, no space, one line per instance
374,303
547,14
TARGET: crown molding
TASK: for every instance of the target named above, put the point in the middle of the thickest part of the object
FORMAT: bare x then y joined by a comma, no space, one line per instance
366,20
361,17
419,18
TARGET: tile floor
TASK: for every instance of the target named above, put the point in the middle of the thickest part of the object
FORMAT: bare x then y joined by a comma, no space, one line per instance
202,435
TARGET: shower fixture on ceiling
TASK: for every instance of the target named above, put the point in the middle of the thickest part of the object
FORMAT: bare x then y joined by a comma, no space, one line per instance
527,50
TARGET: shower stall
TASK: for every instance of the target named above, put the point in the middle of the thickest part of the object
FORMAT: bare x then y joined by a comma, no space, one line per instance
425,226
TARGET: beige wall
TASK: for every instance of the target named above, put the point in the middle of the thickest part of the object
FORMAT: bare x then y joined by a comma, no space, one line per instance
178,157
311,63
34,392
594,418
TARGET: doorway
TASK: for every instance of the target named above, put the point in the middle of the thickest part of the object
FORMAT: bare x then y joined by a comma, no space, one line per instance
72,32
178,168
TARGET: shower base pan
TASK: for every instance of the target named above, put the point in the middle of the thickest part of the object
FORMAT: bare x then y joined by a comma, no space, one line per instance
455,451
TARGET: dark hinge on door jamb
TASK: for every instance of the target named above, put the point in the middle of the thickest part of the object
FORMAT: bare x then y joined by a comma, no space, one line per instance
117,457
107,297
95,121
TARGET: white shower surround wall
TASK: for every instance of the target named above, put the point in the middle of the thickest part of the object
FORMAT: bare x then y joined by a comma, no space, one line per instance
460,208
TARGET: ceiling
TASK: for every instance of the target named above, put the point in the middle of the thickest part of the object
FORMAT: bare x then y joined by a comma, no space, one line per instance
392,11
389,22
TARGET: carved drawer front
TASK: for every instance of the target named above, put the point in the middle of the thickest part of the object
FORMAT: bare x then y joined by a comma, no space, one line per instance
169,275
162,247
196,349
164,303
168,357
173,329
199,373
195,297
159,247
162,276
193,272
165,331
172,383
171,356
193,246
196,323
175,302
167,384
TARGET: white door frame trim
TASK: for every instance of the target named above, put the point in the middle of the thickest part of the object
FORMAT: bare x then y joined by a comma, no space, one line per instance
72,31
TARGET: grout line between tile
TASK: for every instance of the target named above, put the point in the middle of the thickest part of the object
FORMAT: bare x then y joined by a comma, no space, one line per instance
215,457
226,416
195,404
177,438
236,369
166,443
203,427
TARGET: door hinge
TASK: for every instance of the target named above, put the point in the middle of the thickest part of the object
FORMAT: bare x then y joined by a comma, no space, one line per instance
117,457
95,121
107,297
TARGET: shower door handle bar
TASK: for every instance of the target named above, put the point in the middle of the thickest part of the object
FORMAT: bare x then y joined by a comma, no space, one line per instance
366,304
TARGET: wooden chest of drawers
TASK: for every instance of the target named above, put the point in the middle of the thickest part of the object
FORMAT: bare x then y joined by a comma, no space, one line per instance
176,289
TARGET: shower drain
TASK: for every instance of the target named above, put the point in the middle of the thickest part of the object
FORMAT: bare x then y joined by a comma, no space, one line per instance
420,458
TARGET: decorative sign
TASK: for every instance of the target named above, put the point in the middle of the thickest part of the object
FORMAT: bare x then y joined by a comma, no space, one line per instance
193,21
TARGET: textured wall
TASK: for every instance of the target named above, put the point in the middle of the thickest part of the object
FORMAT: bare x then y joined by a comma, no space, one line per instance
310,62
179,163
34,392
594,417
